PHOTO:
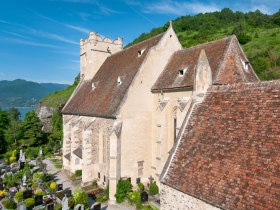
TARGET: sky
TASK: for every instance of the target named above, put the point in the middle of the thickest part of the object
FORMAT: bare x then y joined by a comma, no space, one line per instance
39,39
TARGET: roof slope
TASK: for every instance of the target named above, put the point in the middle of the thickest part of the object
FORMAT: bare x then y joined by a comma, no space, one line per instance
229,154
216,53
105,99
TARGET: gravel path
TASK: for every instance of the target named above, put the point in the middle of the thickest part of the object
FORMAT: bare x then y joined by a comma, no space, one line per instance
60,176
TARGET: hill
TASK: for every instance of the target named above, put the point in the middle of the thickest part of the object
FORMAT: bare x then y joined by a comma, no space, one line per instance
21,93
258,33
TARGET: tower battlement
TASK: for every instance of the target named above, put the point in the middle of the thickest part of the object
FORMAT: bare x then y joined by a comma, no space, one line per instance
94,51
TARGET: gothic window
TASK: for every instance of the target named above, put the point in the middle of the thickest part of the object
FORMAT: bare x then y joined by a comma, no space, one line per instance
77,161
140,167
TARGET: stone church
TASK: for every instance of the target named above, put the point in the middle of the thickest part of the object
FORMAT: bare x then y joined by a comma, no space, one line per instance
131,107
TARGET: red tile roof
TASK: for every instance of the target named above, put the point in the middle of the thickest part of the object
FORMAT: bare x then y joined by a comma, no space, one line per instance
217,53
229,153
105,99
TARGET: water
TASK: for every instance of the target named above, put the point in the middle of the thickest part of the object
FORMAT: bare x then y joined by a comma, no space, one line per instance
22,110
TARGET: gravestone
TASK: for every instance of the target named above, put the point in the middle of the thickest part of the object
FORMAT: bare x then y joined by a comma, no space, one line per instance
64,203
24,180
38,200
68,193
27,194
21,206
144,196
40,152
59,187
21,165
8,169
47,178
50,206
79,207
96,206
1,186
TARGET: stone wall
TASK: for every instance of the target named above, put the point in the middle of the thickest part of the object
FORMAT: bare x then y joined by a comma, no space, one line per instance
171,199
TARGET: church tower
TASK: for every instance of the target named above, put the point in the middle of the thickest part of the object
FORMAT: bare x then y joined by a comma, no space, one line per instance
94,51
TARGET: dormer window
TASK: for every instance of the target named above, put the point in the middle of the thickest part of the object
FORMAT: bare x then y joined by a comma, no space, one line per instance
140,52
245,64
182,72
119,80
94,85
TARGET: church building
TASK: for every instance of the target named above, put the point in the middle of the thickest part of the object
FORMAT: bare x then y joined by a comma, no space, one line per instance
131,107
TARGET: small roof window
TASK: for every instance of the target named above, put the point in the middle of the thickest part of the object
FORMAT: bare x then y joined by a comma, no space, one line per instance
182,72
94,85
119,80
245,64
140,52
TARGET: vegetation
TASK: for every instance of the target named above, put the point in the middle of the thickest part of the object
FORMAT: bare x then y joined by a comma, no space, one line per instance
9,204
80,197
19,196
153,190
257,32
78,173
124,187
25,93
29,202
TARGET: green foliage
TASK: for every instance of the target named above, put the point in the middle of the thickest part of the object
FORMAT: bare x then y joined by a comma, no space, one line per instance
103,197
57,207
78,173
32,126
123,189
9,204
153,190
80,197
29,202
71,202
257,32
19,196
141,187
134,198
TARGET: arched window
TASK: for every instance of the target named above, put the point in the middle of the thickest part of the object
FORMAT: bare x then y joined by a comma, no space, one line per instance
77,161
174,115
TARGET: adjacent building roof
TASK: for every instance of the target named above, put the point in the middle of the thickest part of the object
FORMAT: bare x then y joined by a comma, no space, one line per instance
79,152
229,153
224,68
103,95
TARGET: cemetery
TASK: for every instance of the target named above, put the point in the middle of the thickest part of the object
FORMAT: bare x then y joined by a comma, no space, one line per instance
25,184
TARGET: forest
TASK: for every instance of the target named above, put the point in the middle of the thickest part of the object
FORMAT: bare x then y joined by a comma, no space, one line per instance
258,33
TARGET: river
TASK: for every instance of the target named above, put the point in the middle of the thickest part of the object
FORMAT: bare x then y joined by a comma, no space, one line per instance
22,110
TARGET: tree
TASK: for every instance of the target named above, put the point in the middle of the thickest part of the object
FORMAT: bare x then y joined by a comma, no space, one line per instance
80,197
32,129
4,122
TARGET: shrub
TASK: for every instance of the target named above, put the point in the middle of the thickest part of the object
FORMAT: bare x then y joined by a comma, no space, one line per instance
80,197
123,188
19,196
39,192
94,183
29,202
78,173
141,187
104,196
71,202
57,207
153,190
53,186
134,198
3,193
9,204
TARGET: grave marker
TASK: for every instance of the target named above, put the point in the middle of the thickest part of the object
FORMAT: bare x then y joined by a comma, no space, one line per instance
64,203
21,206
27,194
79,207
38,200
59,187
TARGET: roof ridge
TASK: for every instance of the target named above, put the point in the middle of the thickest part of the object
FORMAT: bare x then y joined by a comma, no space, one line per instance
243,86
211,42
125,49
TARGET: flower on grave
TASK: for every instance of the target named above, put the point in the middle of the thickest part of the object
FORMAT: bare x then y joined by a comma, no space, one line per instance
53,186
3,193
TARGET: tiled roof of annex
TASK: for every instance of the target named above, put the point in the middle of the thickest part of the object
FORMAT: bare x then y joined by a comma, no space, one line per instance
229,153
216,52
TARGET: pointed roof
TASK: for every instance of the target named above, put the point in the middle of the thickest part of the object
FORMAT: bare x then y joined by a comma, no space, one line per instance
186,59
102,95
229,152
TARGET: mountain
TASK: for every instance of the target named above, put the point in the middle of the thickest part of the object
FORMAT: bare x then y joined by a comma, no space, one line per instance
21,93
258,33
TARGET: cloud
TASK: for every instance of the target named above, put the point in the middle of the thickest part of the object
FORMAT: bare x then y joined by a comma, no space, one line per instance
29,43
77,28
179,8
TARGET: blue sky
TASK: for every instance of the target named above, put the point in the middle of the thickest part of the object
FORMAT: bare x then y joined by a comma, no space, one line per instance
39,39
